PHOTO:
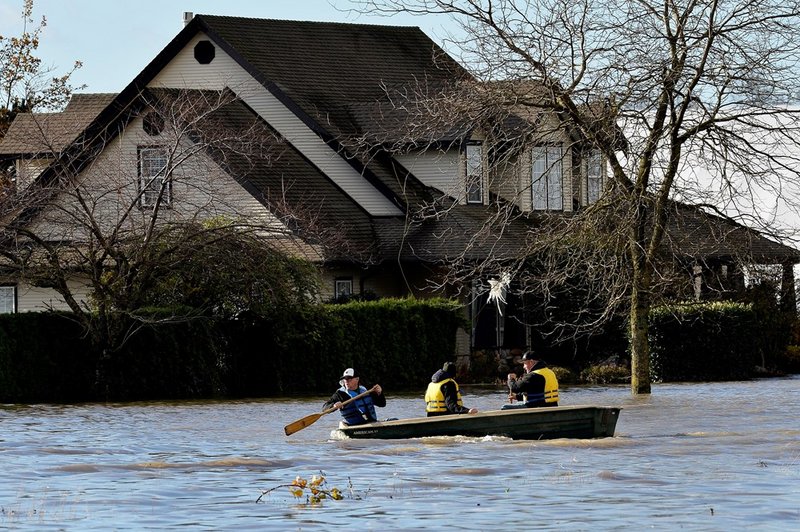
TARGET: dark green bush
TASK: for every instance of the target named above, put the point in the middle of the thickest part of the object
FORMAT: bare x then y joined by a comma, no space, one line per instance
44,357
605,374
706,341
395,342
789,360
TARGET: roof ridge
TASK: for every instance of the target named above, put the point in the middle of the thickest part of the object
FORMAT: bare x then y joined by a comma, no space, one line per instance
314,22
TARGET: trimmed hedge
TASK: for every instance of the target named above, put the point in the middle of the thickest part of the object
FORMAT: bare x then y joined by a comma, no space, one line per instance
710,341
397,343
44,358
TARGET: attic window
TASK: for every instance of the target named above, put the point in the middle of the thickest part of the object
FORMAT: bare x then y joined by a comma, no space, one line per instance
153,123
204,52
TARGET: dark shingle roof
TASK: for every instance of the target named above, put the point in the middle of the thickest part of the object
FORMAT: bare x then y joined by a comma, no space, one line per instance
692,232
33,133
328,69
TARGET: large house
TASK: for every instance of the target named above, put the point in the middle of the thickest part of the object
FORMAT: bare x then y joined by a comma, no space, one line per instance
305,131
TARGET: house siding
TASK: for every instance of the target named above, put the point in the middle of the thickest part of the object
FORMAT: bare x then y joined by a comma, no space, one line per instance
201,190
36,299
508,182
185,72
28,170
441,170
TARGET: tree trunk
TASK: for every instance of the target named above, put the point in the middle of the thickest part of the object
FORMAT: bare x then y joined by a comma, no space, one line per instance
640,305
640,348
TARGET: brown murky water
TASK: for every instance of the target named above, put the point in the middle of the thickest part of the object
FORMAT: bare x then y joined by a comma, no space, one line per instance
715,456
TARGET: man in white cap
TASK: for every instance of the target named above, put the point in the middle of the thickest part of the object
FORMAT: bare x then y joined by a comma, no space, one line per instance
361,410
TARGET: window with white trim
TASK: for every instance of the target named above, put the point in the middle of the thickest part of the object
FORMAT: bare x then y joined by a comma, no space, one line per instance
8,299
546,178
152,173
343,288
594,176
474,173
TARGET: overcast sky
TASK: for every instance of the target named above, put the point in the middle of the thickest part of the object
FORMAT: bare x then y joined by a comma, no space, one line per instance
116,39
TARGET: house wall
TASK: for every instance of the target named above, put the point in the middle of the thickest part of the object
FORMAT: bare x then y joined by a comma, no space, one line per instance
185,72
442,170
108,188
29,169
36,299
512,179
507,181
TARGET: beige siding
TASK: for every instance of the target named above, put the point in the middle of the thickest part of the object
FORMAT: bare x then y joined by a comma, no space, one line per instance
35,299
29,169
508,182
108,188
442,170
185,72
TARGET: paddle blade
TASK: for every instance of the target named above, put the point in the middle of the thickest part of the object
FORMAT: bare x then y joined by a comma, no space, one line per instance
300,424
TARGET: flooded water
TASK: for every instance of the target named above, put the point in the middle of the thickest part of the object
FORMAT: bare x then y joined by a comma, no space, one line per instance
716,456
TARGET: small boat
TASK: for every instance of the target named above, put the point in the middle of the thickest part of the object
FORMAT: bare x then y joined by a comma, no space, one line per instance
521,424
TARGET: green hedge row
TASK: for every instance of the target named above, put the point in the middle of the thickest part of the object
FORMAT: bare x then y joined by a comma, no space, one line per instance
43,357
397,343
713,341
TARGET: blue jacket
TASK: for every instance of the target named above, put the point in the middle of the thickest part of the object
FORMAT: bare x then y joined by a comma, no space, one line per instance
359,411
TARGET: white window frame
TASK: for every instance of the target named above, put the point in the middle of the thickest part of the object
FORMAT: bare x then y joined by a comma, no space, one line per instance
473,154
547,178
342,288
151,177
594,176
8,299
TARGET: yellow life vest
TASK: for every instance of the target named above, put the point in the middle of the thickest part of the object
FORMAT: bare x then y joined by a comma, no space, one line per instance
550,394
434,398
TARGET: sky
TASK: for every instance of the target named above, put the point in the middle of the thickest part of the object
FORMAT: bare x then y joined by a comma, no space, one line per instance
116,39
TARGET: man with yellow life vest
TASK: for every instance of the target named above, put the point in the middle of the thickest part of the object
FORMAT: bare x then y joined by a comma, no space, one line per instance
443,396
537,387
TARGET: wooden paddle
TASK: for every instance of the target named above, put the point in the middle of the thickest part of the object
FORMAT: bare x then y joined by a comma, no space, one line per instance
300,424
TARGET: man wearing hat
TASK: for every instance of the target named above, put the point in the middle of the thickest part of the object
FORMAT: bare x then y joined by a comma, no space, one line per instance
537,387
443,396
360,411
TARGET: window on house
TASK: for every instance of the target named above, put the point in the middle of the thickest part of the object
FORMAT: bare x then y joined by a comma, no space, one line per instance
343,288
8,299
474,175
594,176
546,189
152,171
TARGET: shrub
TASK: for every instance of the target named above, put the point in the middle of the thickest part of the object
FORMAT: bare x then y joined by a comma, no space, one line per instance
606,374
789,360
706,341
564,375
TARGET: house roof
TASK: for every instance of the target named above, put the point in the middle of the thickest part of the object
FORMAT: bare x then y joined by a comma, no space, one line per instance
335,78
329,70
34,133
694,233
338,79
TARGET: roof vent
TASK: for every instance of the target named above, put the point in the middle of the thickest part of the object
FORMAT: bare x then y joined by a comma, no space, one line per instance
187,17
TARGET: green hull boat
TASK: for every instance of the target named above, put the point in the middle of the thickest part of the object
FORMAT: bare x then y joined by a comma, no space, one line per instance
522,424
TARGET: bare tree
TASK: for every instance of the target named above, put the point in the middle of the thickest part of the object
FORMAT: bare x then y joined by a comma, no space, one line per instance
685,100
25,83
